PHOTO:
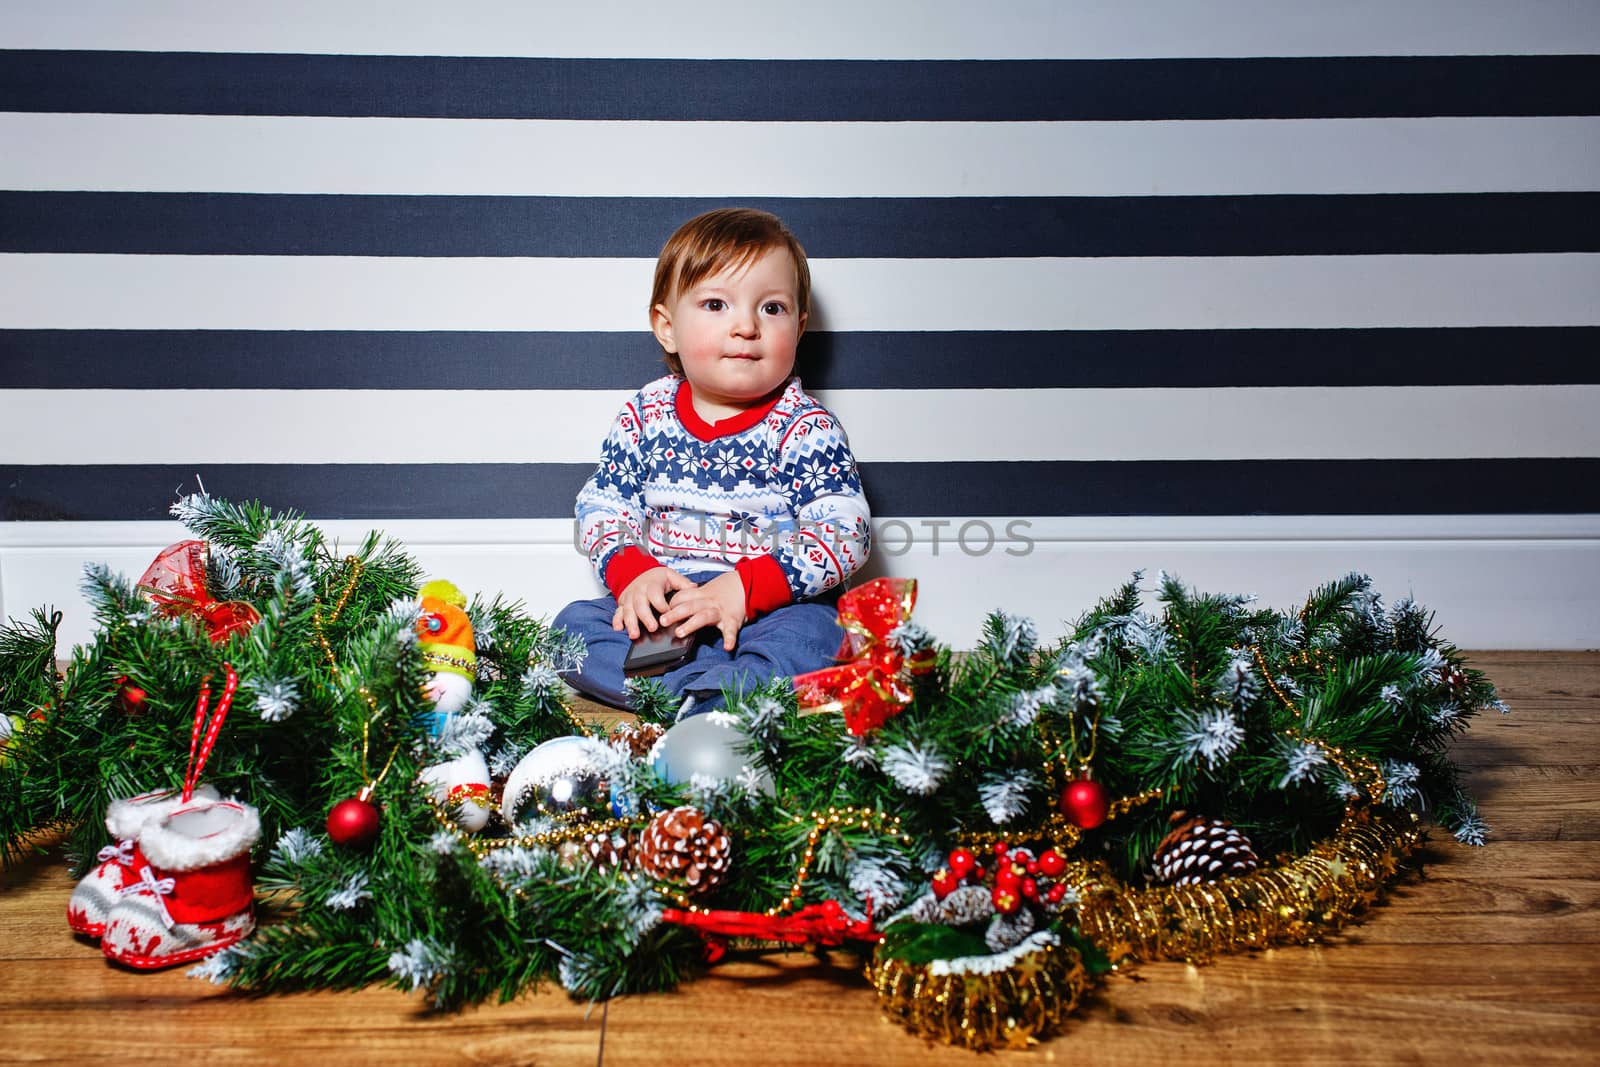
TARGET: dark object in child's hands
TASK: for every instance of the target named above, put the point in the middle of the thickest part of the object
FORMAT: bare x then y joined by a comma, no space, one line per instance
657,653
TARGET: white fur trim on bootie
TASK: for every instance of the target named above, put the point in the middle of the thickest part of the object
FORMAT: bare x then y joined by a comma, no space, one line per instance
200,834
125,818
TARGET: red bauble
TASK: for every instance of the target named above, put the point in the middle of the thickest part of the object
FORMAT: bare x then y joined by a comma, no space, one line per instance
1051,863
130,698
1085,803
961,862
1007,878
353,822
944,883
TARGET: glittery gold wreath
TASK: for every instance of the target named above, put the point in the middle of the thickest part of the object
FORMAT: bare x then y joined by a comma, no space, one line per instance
1012,1008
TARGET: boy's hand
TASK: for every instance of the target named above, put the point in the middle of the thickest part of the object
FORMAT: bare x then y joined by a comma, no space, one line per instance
719,603
645,598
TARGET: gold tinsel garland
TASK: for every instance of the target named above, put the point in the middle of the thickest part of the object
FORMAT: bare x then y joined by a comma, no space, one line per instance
1290,903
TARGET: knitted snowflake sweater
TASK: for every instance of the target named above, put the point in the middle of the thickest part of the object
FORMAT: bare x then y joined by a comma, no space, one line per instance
772,493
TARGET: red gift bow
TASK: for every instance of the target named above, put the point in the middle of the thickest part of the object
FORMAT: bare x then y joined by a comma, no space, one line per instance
870,689
176,583
817,924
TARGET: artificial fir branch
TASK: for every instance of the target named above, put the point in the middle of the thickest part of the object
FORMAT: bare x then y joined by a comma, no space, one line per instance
1230,710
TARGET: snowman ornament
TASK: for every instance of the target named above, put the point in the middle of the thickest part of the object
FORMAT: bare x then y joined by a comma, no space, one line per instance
444,636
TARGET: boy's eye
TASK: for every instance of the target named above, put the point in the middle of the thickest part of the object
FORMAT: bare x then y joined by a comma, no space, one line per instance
714,304
774,307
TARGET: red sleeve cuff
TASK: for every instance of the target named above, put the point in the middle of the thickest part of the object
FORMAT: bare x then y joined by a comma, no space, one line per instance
765,587
627,565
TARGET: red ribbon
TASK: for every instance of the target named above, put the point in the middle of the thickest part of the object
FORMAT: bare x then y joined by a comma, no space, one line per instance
200,752
871,688
176,583
817,924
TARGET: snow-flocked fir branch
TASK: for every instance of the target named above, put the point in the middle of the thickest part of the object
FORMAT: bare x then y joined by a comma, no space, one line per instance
294,848
421,962
1209,735
1005,795
1305,760
351,895
914,767
277,700
468,729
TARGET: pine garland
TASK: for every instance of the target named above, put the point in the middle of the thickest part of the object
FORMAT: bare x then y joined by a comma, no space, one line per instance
1272,721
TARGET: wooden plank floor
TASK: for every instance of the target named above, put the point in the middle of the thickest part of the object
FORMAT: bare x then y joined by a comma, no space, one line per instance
1492,958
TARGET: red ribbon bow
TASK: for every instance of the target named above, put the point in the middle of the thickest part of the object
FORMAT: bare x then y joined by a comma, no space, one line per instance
817,924
869,689
176,583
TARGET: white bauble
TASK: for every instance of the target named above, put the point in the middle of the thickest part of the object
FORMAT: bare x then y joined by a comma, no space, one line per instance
463,784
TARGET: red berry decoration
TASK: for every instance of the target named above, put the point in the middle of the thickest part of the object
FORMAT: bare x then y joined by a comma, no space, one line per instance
979,874
1051,863
944,883
1030,889
1000,848
1007,878
1085,803
962,862
1006,901
353,822
1056,893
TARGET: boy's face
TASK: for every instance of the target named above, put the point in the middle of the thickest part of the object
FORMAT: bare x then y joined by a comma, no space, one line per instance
735,332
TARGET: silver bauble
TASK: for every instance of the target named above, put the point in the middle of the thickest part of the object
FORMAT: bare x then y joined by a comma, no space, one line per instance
564,774
709,747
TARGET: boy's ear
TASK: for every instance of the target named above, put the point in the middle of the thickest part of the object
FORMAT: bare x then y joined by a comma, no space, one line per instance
661,326
802,332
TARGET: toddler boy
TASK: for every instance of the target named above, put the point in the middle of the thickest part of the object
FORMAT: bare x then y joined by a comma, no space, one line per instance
723,485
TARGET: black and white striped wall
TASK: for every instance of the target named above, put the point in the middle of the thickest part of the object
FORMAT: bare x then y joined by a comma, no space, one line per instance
1254,292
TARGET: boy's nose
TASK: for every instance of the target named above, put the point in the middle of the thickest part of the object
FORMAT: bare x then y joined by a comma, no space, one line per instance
746,324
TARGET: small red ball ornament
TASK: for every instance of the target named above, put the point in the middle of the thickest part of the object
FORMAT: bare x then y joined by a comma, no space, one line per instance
1085,803
130,698
1051,863
944,883
353,822
1007,878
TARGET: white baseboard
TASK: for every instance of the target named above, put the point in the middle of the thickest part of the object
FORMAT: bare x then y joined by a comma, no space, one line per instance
1494,581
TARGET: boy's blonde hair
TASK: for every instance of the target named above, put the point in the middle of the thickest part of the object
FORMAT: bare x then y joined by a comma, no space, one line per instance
717,240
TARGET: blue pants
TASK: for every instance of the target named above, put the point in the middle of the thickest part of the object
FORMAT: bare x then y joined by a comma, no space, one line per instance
791,640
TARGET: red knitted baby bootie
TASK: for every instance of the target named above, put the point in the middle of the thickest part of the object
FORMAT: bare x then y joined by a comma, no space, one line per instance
98,891
192,896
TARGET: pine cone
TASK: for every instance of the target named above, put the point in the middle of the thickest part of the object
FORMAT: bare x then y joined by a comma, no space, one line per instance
964,906
1202,850
1006,931
638,737
685,847
607,851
